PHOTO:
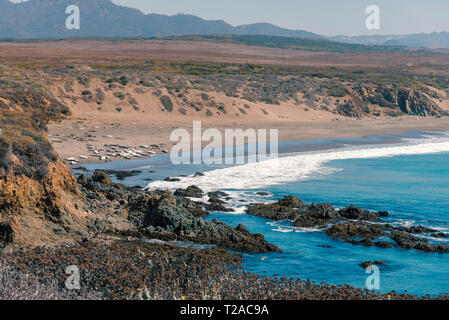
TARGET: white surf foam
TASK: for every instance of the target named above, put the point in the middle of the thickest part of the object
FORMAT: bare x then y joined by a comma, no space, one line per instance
297,167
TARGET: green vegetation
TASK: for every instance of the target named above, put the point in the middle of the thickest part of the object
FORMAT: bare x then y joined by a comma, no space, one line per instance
167,103
25,111
316,45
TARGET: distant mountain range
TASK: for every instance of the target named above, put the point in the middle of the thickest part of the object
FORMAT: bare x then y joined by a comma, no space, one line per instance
102,18
43,19
426,40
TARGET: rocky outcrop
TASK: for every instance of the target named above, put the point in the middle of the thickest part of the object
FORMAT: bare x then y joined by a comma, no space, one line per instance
408,241
391,100
285,209
160,216
40,203
192,192
352,224
47,212
349,230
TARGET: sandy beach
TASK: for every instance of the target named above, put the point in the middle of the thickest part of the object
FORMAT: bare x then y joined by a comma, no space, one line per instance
72,137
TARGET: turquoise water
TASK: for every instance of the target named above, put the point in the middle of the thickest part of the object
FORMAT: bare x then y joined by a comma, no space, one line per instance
414,188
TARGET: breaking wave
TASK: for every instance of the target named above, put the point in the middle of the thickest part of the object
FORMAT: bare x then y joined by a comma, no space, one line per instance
298,167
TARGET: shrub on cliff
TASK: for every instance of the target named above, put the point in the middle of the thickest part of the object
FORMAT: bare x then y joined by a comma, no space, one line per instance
167,103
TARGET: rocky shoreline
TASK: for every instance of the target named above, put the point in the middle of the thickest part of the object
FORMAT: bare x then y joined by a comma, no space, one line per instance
352,224
50,220
113,268
162,215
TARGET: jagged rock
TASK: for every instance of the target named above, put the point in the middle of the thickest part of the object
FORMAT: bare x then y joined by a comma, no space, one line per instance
440,235
285,209
383,244
170,179
315,215
161,216
101,177
349,230
383,214
195,208
84,180
192,192
408,241
218,194
122,174
415,229
355,213
347,224
216,204
406,100
198,174
366,264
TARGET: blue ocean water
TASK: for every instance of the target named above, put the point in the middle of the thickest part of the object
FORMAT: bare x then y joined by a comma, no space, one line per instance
414,188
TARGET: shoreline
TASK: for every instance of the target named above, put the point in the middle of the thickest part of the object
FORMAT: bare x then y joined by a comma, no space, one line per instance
134,135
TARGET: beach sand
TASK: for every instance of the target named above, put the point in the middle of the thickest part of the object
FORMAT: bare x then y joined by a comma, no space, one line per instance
72,136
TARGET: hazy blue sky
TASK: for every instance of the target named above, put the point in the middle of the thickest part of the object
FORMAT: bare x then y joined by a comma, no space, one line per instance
329,17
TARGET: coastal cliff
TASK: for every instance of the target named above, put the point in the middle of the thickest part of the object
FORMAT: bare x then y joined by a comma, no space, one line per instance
41,203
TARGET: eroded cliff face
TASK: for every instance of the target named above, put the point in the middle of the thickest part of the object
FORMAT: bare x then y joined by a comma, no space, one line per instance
40,202
49,211
390,100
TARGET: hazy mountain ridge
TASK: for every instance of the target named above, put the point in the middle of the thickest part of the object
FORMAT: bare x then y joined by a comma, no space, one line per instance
37,19
46,19
427,40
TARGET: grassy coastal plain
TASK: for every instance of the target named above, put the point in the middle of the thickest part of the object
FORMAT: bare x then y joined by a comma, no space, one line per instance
66,102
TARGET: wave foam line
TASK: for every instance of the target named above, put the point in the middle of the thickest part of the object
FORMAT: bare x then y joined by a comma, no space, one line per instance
292,168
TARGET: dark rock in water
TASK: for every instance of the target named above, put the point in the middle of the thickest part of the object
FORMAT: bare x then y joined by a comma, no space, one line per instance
404,240
169,179
285,209
192,192
160,216
101,177
352,224
440,235
216,204
262,193
325,246
6,233
349,230
383,214
80,169
198,174
415,229
383,244
315,215
366,264
291,202
408,241
218,194
122,174
355,213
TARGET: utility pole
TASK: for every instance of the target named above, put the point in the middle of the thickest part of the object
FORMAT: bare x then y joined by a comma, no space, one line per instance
388,58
